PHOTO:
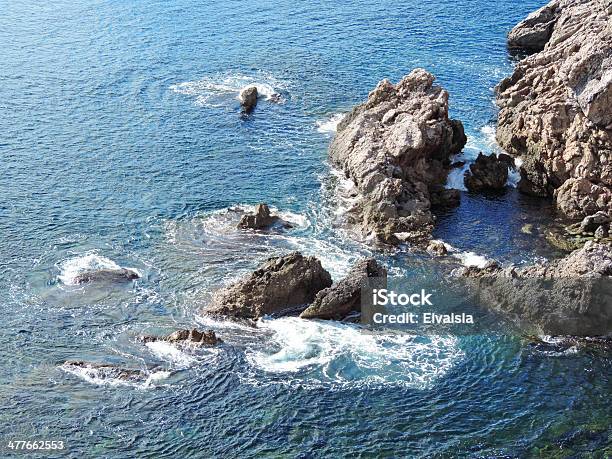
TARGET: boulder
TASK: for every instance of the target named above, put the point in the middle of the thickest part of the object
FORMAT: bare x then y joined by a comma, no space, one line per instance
570,296
192,336
344,297
437,248
556,107
248,98
395,147
591,223
105,371
106,275
487,173
279,284
262,219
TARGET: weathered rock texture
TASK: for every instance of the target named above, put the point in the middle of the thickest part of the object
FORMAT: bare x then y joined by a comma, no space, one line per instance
486,173
396,148
344,297
570,296
193,336
556,108
248,98
262,219
106,275
279,284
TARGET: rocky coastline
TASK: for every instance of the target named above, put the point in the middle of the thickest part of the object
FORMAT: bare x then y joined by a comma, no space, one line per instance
555,109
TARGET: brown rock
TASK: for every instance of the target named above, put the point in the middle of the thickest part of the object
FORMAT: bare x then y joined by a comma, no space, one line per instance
556,108
344,297
279,284
248,98
261,220
395,147
487,173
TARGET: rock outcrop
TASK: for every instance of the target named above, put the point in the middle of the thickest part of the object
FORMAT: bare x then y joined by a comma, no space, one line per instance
192,336
570,296
344,297
106,275
262,219
486,173
105,371
279,284
396,147
556,108
248,98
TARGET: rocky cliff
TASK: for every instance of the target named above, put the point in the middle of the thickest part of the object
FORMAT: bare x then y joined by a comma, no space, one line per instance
556,108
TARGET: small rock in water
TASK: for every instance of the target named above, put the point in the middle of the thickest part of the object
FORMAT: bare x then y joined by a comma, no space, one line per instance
527,229
248,98
262,219
437,248
344,297
106,275
487,173
187,336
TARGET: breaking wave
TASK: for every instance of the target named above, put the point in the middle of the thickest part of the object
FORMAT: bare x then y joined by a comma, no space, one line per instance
218,90
345,355
329,125
72,268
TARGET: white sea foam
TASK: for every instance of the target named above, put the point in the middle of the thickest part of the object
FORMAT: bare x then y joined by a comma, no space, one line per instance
329,125
470,259
348,355
218,90
455,178
74,267
514,175
102,377
170,353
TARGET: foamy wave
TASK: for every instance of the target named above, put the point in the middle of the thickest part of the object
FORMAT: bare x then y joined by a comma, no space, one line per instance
169,353
217,90
330,125
514,175
472,259
73,268
455,178
101,376
346,355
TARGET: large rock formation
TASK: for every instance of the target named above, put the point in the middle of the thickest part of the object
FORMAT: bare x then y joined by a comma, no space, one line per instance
570,296
281,283
344,297
396,147
556,108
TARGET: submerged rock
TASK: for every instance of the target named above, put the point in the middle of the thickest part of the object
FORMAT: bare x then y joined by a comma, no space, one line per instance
106,275
395,147
570,296
556,108
279,284
192,336
105,371
262,219
344,297
248,98
487,173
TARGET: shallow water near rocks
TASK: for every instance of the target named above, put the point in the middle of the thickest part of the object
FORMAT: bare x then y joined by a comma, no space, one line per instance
123,145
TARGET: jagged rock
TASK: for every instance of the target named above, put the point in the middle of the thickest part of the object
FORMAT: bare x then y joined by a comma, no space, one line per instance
395,147
570,296
106,275
437,248
534,32
444,197
602,232
487,173
248,98
193,336
591,223
556,108
344,297
262,219
278,284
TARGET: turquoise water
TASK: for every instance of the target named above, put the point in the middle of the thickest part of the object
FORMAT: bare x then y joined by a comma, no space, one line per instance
122,142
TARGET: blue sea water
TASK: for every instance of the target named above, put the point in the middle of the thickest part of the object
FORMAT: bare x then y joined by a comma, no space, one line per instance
122,142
